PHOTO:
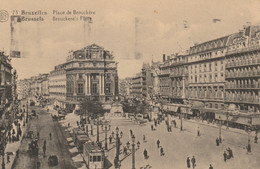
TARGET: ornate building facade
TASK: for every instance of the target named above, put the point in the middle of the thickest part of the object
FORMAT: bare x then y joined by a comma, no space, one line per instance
206,77
243,75
91,73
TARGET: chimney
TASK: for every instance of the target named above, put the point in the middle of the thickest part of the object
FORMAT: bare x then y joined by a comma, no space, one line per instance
163,57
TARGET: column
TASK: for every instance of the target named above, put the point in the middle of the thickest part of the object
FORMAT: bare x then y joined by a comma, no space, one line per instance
89,83
86,84
99,84
103,84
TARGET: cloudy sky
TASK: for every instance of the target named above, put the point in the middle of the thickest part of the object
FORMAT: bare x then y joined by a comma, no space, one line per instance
166,26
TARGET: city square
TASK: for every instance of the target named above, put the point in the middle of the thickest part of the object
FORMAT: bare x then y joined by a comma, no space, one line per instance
130,85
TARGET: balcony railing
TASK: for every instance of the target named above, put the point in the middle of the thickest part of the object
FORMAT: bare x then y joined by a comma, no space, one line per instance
241,99
247,49
242,74
251,86
245,62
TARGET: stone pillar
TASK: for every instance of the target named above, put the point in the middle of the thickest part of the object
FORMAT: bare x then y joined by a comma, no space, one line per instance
89,84
99,84
103,84
86,84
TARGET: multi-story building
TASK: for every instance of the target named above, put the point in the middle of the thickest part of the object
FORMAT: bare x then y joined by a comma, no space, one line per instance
206,77
164,79
57,85
137,86
243,76
5,79
91,73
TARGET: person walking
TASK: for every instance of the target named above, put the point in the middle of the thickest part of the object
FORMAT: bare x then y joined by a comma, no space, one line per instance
217,142
193,161
131,132
210,166
256,138
50,136
225,156
144,139
162,152
145,154
152,127
188,162
158,143
110,139
44,149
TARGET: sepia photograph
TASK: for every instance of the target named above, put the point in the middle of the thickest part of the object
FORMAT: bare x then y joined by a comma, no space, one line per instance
170,84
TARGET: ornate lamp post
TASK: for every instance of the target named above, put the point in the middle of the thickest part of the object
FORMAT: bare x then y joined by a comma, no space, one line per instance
133,149
227,115
97,130
107,128
249,132
220,125
117,143
27,112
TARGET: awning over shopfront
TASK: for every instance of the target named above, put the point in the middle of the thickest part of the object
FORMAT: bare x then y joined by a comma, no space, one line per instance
173,108
185,110
197,105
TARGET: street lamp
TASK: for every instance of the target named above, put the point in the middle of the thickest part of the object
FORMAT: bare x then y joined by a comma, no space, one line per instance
227,119
248,132
97,130
27,112
133,152
181,122
220,124
106,129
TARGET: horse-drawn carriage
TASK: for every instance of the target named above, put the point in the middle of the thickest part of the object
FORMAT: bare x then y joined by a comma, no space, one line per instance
33,148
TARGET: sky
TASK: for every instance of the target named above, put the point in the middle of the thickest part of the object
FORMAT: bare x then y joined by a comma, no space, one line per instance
164,27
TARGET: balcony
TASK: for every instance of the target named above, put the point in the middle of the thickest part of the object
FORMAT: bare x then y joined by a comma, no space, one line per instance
243,63
178,74
247,49
247,100
247,74
243,87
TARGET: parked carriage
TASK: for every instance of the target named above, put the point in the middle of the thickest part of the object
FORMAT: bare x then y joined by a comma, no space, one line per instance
93,155
77,131
80,141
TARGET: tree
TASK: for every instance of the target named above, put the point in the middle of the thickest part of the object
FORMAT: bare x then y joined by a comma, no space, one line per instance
91,108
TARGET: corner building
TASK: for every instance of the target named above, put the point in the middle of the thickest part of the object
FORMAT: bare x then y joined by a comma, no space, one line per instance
91,73
206,78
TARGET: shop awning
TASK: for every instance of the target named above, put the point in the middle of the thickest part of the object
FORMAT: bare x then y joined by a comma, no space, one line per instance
185,110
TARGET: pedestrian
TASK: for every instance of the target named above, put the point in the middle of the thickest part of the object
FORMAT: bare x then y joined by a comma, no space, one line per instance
110,139
158,143
193,161
144,139
8,158
230,152
210,166
256,138
50,136
131,132
225,156
162,152
152,127
44,142
44,149
188,162
217,141
145,154
175,124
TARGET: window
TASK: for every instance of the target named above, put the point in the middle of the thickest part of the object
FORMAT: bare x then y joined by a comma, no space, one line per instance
80,76
94,158
216,77
108,88
94,88
216,106
90,158
80,88
195,79
98,158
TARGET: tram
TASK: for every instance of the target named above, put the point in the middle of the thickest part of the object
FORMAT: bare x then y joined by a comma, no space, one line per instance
80,140
93,155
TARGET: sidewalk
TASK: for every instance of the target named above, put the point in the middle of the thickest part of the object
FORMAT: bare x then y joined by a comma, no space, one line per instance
12,147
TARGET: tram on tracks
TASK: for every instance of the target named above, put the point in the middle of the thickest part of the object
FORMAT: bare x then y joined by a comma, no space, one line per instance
93,155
